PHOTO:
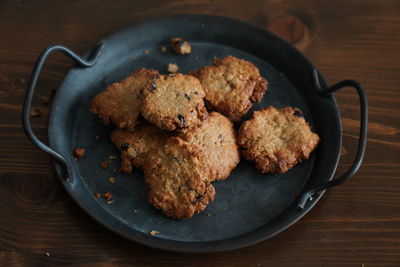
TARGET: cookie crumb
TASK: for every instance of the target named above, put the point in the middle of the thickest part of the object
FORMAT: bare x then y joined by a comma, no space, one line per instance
154,232
163,49
110,201
35,112
79,152
146,52
135,211
181,46
112,180
107,196
112,157
47,254
104,164
52,92
97,195
97,137
173,68
45,100
209,214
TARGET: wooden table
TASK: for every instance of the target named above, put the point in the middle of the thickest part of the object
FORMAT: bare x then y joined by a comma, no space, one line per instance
356,224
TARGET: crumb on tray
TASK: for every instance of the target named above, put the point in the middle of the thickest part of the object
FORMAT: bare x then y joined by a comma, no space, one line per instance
181,46
79,152
107,196
154,232
173,68
104,164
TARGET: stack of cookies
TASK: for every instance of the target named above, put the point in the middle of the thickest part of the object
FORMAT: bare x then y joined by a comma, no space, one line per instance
164,128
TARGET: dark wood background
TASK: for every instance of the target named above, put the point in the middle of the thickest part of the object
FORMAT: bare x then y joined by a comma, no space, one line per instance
356,224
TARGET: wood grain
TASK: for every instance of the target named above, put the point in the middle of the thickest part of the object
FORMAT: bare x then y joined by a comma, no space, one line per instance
356,224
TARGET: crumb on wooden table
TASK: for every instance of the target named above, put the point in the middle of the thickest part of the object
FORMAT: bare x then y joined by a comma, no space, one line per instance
104,164
163,49
52,92
112,180
135,211
154,232
146,52
181,46
112,157
47,254
209,214
35,112
45,99
110,201
172,68
79,152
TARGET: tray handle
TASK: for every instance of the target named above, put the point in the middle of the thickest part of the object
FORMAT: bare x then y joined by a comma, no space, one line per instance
82,62
308,195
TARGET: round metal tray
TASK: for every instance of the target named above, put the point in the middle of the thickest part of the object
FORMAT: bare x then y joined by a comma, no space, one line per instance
249,206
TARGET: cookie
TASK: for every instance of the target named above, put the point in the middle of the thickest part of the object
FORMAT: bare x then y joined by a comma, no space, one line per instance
232,85
174,102
276,139
120,102
135,144
216,139
177,184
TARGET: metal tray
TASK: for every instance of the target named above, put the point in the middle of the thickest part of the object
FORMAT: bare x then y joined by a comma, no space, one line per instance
249,206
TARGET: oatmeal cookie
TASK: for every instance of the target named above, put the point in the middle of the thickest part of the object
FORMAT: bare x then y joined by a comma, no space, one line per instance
135,144
120,102
177,184
174,102
232,85
216,139
276,139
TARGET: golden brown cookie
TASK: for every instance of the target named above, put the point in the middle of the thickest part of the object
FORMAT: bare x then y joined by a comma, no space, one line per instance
120,102
174,102
135,144
176,181
232,85
216,139
276,139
